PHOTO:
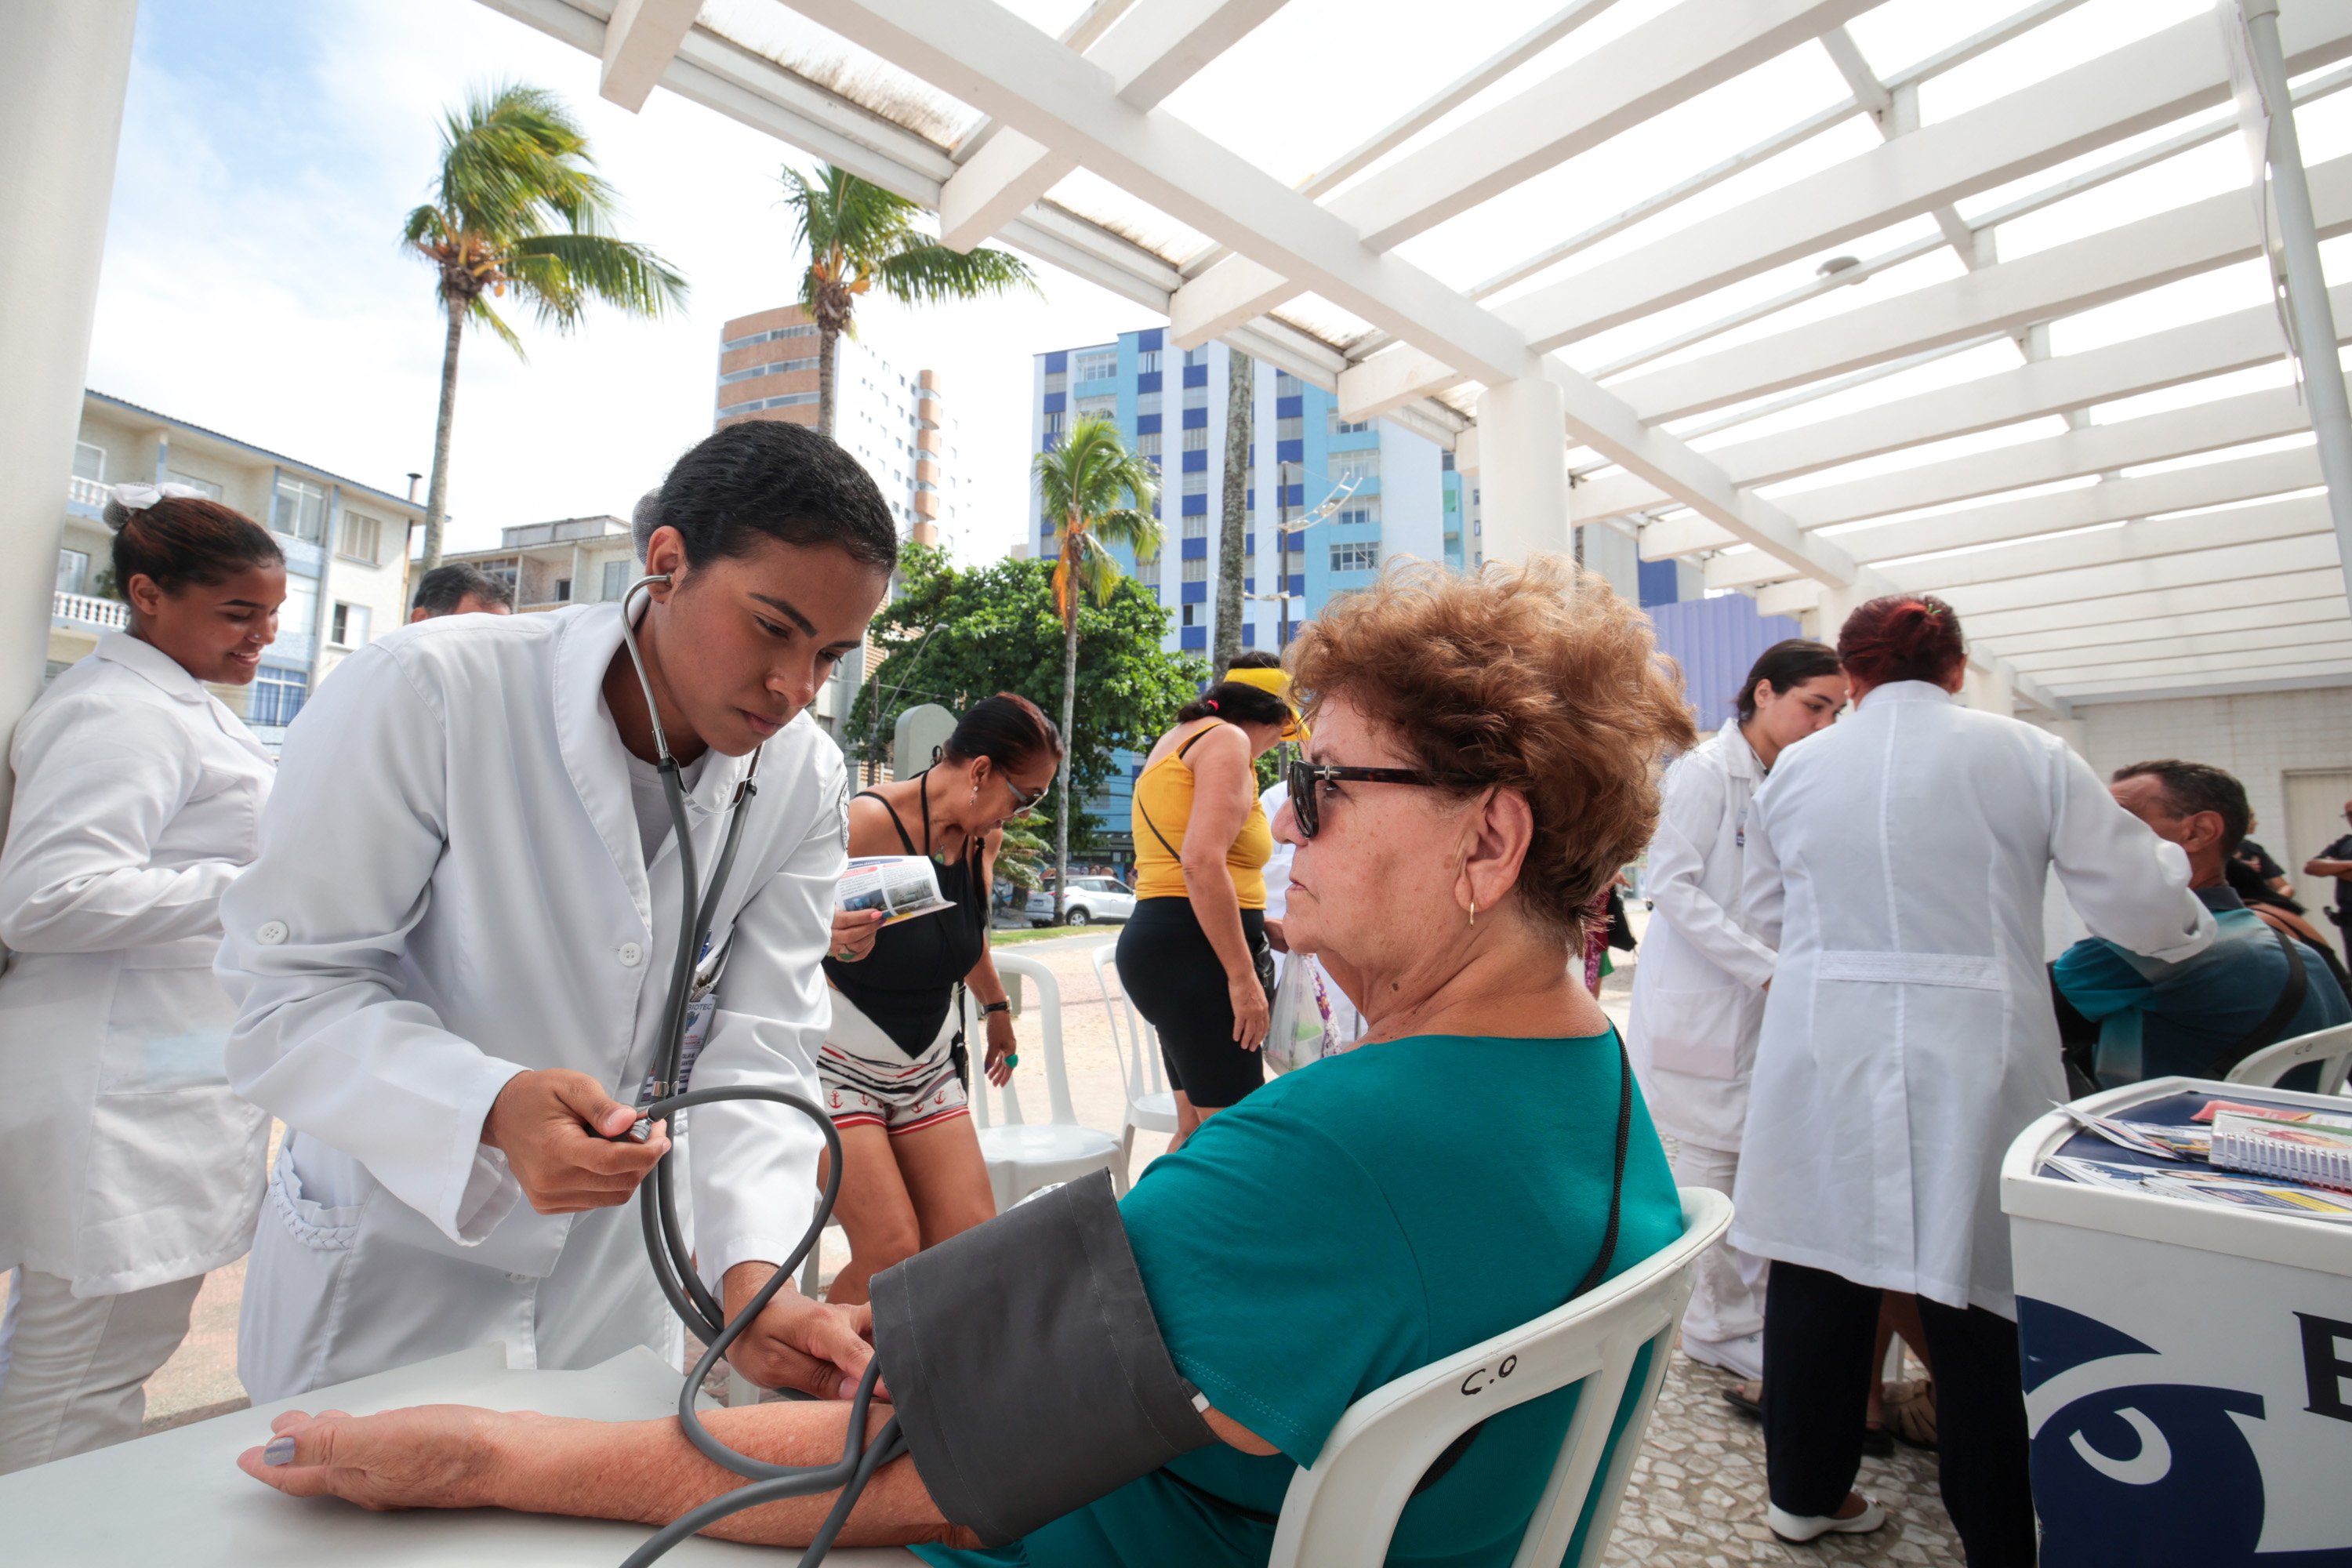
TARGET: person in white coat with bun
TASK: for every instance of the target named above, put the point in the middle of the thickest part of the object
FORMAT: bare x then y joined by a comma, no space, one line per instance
128,1168
1898,862
1698,990
452,957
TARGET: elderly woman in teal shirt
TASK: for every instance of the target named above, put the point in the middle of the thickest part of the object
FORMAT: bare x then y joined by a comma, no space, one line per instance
1339,1228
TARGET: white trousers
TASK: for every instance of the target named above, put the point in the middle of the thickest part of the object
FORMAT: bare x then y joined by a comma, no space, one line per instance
74,1369
1727,1300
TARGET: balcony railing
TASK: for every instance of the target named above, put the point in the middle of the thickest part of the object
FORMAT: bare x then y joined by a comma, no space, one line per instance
86,495
82,610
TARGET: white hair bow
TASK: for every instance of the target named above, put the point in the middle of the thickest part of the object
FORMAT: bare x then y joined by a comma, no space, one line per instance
128,498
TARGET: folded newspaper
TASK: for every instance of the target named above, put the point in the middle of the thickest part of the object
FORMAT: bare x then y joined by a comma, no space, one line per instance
2229,1192
2145,1137
902,886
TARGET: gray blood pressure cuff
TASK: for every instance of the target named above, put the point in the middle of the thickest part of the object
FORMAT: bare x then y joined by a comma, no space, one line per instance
1026,1367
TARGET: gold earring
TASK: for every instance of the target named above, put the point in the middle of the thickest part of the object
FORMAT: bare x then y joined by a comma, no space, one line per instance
1473,912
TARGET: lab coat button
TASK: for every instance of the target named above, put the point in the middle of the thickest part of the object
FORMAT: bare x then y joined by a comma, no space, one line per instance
272,934
630,954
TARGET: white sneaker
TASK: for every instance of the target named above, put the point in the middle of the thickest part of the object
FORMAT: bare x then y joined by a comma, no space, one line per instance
1797,1529
1742,1357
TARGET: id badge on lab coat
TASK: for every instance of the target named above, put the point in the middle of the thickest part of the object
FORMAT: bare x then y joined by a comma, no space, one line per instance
698,1014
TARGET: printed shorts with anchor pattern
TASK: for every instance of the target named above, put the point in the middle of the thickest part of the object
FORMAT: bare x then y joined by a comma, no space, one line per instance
868,1079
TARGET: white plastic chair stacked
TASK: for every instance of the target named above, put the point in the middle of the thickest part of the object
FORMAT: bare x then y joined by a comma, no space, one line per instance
2331,1048
1151,1109
1341,1512
1024,1155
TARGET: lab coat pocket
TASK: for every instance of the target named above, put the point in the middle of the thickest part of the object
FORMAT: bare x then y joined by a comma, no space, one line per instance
301,1276
167,1023
171,1183
1700,1031
322,1225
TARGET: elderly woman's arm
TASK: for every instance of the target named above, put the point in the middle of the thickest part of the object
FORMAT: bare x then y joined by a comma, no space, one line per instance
453,1456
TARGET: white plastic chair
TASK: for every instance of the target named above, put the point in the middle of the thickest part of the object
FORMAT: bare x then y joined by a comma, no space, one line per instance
1151,1110
1024,1155
1341,1512
2331,1048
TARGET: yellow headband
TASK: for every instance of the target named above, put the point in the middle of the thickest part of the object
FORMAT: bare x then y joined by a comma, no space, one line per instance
1278,683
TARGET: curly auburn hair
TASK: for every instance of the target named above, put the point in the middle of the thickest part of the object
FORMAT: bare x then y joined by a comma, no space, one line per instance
1538,679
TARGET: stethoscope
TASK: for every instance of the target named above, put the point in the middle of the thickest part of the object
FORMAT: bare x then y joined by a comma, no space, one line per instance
691,976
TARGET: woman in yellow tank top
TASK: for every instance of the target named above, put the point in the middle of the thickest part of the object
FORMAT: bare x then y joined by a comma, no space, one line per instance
1193,959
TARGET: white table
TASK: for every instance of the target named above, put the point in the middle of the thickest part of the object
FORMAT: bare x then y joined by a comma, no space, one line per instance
177,1499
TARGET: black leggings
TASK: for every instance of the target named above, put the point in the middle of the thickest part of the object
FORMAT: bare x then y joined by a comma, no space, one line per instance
1818,1330
1175,980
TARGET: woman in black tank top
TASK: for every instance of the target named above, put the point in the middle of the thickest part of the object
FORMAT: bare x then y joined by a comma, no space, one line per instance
891,1066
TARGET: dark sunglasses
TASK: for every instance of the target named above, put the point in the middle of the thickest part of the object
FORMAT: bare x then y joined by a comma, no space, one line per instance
1021,802
1307,808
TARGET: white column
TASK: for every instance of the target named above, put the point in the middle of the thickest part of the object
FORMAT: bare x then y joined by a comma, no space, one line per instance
2073,731
1523,472
64,68
1829,611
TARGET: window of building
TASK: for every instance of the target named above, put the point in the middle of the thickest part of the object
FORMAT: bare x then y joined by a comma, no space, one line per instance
1197,356
1287,385
1097,365
1445,462
1197,439
1197,526
1058,381
1356,555
617,579
299,509
1098,407
89,462
299,616
349,627
1196,397
1196,570
804,330
1054,423
361,537
212,491
1147,402
1356,468
1291,429
277,694
1196,483
73,570
1147,361
774,367
1359,509
1148,444
1347,427
563,590
1188,613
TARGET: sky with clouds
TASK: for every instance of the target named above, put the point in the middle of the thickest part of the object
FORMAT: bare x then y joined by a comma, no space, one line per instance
254,282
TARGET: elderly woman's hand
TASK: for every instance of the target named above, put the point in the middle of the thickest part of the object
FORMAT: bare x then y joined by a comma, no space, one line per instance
431,1456
1251,1011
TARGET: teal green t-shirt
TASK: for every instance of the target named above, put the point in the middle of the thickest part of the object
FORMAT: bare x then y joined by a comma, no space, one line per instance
1347,1225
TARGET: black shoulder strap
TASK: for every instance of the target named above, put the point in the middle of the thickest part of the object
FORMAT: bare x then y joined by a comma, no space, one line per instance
2275,1022
1146,810
910,843
1453,1451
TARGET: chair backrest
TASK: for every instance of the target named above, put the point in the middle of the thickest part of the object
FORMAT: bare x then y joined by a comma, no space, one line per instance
2331,1048
1136,1046
1049,1022
1341,1512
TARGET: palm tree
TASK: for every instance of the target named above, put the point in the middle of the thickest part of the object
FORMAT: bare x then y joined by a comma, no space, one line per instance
519,209
1103,494
1240,388
858,236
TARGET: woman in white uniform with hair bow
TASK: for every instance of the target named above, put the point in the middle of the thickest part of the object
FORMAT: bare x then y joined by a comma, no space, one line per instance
128,1167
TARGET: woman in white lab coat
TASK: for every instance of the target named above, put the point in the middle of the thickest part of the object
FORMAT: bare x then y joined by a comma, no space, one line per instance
450,958
128,1167
1897,861
1698,990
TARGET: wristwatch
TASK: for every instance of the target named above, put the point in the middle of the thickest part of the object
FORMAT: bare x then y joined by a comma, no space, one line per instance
988,1007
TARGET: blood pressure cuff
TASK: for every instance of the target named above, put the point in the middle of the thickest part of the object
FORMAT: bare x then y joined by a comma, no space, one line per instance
1025,1366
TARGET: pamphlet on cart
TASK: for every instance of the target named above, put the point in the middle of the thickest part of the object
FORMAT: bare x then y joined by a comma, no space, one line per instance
902,886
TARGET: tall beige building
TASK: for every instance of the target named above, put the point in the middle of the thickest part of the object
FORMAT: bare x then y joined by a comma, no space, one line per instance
897,423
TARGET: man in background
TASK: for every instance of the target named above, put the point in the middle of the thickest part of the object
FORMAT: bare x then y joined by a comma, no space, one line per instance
2335,861
2254,987
457,589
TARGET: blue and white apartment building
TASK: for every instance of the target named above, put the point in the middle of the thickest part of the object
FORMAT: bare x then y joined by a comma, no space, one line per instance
1402,497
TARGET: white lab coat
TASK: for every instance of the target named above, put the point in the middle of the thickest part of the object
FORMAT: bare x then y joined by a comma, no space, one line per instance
1896,860
1698,990
126,1161
451,889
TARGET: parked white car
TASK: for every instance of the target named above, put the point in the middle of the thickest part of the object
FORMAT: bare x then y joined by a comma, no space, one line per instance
1092,898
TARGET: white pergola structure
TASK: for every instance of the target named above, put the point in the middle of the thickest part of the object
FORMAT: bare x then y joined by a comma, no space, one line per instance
1710,368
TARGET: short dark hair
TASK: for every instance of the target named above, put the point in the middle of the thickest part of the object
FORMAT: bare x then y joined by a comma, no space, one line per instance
1007,728
440,591
1786,664
1239,701
1255,659
765,479
2192,787
181,540
1902,636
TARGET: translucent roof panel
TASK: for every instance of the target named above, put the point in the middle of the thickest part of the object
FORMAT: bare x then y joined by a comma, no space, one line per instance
776,32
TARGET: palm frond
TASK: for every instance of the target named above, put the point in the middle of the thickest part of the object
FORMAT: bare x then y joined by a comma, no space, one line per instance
478,311
926,272
562,273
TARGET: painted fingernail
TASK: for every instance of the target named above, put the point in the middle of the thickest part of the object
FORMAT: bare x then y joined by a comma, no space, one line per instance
278,1451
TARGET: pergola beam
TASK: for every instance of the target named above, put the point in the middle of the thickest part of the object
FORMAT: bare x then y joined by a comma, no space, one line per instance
641,37
1663,62
2290,619
2117,614
2128,91
2328,651
2261,642
2118,571
2210,534
2308,678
